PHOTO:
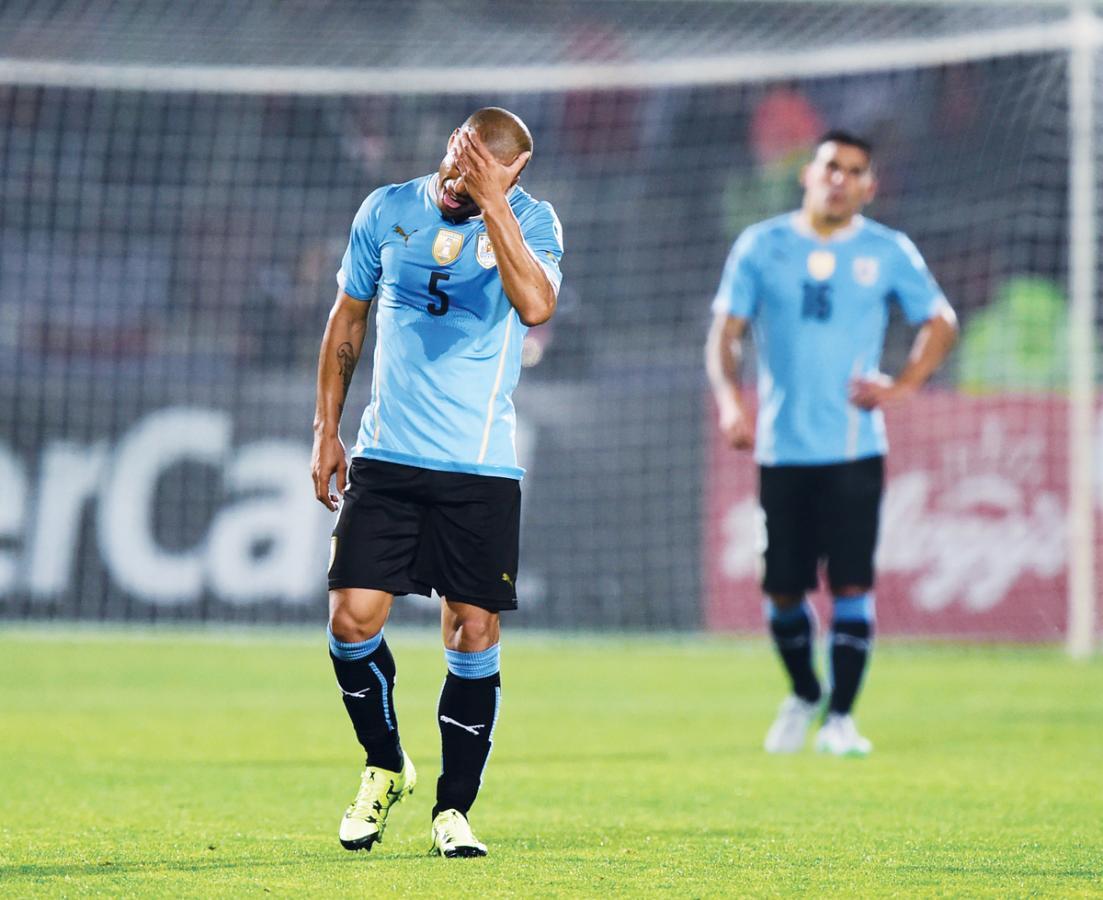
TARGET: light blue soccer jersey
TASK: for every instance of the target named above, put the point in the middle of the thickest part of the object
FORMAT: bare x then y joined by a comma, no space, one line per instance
448,342
818,310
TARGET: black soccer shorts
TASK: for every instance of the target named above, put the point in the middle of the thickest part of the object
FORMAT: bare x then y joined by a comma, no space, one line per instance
820,513
407,530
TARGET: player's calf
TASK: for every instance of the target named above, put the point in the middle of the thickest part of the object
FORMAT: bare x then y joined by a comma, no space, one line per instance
793,629
365,673
466,714
851,642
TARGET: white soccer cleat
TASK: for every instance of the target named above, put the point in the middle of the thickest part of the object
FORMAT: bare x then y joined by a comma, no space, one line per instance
452,836
790,728
366,819
839,737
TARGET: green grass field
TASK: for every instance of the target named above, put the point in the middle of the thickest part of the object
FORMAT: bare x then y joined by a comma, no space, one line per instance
186,765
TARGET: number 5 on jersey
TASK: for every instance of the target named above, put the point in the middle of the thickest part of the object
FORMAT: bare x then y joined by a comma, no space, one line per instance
441,307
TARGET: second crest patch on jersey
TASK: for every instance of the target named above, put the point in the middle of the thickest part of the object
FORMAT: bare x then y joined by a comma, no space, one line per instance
446,246
484,252
867,269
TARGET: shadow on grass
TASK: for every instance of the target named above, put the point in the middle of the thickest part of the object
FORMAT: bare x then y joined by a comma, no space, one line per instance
31,870
34,871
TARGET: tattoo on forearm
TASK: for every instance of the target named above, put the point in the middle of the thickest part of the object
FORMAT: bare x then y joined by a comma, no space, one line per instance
346,364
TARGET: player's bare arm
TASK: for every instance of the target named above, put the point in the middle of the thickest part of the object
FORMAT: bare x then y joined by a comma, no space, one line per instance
487,181
341,346
935,339
723,362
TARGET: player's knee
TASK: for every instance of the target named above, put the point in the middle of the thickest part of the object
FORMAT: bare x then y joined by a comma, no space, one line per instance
349,630
471,632
786,601
796,613
354,622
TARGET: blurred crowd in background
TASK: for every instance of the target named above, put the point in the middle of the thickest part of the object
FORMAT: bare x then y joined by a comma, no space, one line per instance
205,230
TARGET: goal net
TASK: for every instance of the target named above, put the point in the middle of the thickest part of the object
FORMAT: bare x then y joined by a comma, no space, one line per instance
176,187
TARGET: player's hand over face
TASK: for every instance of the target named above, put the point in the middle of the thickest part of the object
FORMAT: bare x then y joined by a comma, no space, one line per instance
485,179
877,390
326,460
737,428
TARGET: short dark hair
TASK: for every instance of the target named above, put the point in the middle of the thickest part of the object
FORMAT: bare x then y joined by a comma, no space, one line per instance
842,136
504,132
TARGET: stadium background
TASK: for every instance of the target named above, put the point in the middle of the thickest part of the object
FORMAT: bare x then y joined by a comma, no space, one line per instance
176,185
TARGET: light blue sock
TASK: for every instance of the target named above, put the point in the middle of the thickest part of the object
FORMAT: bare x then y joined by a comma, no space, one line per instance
479,664
851,640
350,652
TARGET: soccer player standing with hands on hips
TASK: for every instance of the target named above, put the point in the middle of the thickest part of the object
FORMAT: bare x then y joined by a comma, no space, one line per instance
815,286
458,263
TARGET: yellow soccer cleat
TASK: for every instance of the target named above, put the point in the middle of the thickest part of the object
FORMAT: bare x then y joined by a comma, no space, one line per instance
452,836
380,789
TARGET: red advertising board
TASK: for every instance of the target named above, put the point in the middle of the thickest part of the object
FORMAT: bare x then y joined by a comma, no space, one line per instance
973,524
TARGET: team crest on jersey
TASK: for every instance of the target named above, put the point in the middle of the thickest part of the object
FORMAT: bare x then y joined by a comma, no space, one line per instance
447,246
484,253
821,264
866,270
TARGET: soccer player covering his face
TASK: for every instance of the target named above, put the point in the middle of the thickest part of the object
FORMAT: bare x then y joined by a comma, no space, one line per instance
815,287
458,263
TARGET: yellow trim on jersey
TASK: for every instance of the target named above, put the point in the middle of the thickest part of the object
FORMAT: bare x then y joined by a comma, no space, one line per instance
494,390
